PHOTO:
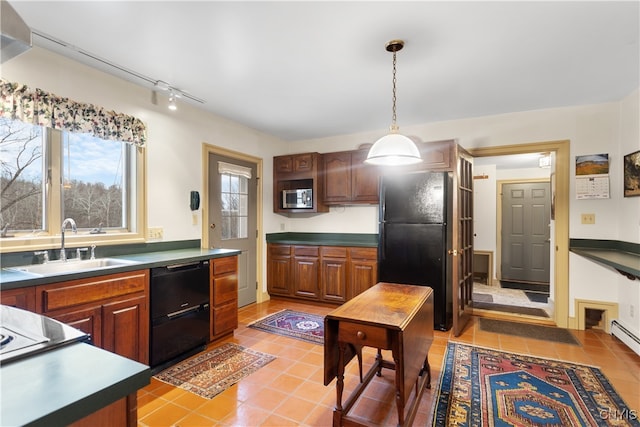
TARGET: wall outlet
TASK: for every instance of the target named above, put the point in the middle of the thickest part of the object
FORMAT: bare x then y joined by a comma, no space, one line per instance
282,226
155,233
588,218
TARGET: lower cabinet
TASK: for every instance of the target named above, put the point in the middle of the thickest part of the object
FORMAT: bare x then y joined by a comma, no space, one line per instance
224,296
24,298
113,309
331,274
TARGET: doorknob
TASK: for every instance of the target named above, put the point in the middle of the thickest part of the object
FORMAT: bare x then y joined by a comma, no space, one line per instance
212,226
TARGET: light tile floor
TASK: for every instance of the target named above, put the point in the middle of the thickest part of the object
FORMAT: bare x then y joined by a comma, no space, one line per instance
290,392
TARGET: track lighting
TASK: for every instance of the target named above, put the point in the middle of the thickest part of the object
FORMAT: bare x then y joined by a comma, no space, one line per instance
172,101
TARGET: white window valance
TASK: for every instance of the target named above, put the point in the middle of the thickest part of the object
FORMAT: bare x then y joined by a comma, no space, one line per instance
232,169
40,108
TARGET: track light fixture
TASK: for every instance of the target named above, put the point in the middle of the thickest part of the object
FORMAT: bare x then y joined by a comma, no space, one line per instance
172,101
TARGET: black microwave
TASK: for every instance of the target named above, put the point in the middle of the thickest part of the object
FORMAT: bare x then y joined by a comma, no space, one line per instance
297,199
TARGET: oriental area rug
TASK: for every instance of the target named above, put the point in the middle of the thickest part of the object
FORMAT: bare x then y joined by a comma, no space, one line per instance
484,387
212,372
293,324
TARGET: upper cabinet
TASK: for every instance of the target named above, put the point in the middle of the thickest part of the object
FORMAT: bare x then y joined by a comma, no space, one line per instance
348,180
298,184
342,178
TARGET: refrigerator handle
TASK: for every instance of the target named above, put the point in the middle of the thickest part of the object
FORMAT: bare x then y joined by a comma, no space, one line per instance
381,245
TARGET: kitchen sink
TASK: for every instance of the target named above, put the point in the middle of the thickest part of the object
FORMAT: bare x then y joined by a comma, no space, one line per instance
71,266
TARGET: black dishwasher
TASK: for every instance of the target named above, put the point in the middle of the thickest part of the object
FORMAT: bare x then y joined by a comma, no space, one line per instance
179,300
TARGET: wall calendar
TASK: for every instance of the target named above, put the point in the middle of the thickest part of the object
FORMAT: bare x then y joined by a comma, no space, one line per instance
592,176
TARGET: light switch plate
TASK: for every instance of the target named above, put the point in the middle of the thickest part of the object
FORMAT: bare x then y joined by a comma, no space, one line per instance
588,218
155,233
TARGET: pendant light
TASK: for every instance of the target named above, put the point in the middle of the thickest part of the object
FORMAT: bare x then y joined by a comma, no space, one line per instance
394,149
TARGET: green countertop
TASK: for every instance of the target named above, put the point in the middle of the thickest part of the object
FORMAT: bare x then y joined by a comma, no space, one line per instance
61,386
324,239
10,279
624,257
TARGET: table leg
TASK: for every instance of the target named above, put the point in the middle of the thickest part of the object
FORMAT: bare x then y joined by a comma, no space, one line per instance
399,368
379,360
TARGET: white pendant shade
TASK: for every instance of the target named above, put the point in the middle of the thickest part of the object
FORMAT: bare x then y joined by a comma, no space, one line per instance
393,149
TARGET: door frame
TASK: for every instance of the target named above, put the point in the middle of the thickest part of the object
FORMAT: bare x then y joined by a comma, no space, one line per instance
208,149
499,185
561,148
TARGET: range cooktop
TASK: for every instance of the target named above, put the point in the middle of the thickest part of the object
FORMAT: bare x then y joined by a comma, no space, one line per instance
23,334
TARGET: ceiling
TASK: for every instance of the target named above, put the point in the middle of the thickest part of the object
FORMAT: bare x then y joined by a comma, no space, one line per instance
301,70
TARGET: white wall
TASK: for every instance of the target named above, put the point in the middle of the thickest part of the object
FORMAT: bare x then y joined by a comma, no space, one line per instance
174,159
591,129
174,147
628,209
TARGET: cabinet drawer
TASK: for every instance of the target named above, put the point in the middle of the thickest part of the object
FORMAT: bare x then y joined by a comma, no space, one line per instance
372,336
82,291
364,253
225,289
306,250
225,319
225,265
334,251
279,249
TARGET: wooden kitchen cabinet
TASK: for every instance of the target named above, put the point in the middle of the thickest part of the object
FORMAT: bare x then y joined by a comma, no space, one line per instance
299,171
333,274
330,274
113,308
306,272
348,180
279,269
436,156
363,270
24,298
224,296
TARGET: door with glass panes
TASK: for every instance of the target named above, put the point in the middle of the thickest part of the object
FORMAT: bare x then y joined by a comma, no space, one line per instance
233,217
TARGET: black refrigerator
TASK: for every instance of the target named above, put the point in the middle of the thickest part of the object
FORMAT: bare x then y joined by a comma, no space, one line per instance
415,235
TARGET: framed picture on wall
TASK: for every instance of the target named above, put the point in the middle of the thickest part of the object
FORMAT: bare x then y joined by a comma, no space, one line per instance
632,174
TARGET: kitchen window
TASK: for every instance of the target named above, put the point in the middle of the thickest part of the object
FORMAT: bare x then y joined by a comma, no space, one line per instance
48,175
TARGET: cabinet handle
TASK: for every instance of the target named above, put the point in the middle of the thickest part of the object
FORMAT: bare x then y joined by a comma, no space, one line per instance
361,335
212,226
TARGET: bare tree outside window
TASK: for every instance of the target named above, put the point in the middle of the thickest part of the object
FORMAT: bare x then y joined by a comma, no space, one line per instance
21,180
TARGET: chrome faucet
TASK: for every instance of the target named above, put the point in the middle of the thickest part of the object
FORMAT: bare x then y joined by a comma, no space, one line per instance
68,221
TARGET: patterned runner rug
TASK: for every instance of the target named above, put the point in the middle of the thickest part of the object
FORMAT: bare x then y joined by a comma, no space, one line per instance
483,387
294,324
212,372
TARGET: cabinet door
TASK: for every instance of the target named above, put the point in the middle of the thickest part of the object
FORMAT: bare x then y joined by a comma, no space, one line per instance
306,277
279,269
24,298
126,328
303,162
337,177
224,297
283,164
364,179
363,275
334,279
88,320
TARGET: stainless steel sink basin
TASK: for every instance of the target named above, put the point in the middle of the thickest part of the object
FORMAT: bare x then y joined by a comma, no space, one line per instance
71,266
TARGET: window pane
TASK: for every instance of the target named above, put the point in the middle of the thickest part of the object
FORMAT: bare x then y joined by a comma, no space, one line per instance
93,177
234,206
22,183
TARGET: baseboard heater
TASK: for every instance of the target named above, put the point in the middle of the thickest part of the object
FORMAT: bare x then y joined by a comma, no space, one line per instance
626,336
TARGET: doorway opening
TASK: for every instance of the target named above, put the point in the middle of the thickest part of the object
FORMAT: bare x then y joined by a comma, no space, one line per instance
559,231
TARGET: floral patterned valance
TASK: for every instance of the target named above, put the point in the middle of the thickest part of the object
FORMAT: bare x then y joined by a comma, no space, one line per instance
37,107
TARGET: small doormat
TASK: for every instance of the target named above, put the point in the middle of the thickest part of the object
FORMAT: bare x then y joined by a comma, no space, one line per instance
484,387
294,324
482,297
538,332
212,372
537,297
537,287
516,309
